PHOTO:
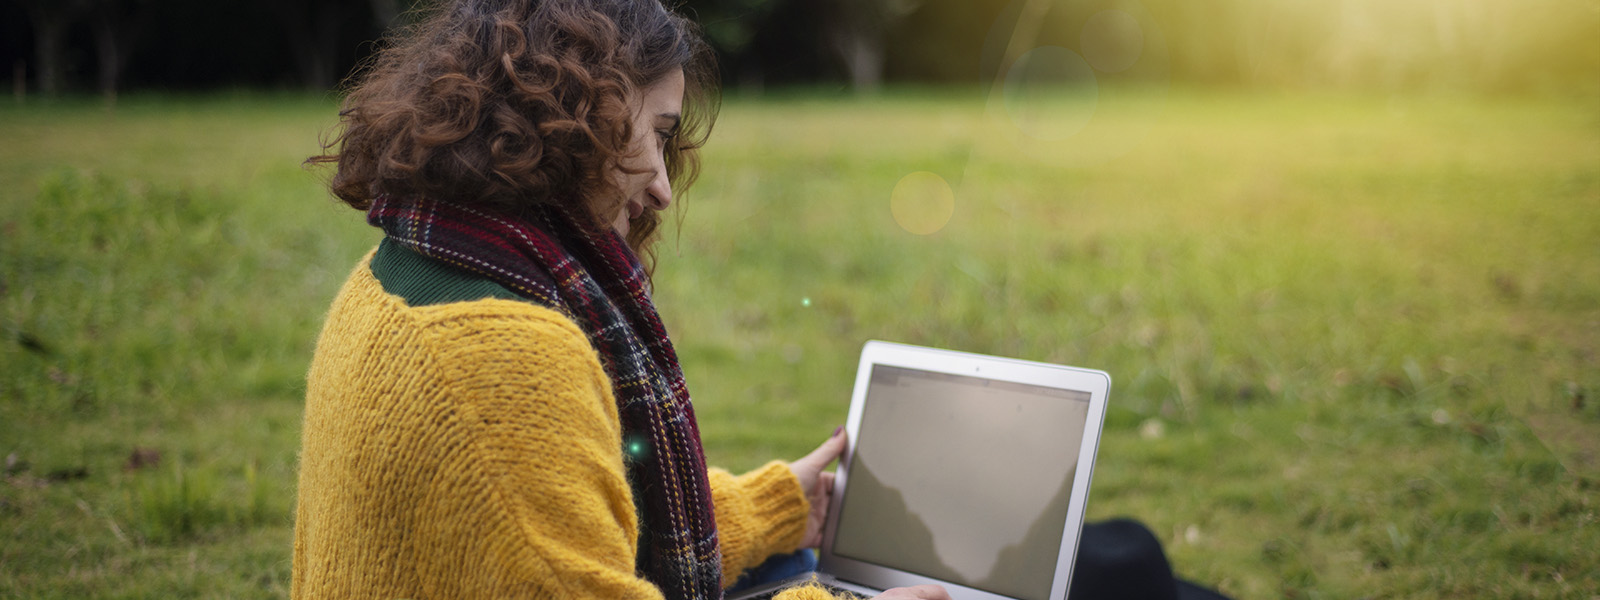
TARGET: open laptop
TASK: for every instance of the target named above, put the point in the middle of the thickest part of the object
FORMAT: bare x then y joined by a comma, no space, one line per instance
963,470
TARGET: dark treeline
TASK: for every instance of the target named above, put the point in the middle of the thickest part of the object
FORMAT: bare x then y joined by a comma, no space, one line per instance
105,45
88,46
83,46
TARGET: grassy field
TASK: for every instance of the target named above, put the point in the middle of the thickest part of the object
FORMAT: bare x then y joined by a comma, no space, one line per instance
1353,337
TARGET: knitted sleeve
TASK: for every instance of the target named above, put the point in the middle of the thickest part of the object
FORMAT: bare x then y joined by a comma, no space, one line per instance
759,514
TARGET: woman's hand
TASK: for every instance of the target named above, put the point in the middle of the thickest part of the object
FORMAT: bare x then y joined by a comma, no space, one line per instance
818,485
915,592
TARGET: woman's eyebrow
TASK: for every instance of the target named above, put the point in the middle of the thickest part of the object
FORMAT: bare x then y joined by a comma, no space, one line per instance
677,119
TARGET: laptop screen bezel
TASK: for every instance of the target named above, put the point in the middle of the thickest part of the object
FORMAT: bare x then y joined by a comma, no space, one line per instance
1096,383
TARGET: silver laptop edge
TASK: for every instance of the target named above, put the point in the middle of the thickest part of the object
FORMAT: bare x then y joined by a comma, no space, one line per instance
869,576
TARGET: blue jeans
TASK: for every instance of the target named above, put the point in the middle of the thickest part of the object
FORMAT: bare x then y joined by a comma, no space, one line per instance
777,568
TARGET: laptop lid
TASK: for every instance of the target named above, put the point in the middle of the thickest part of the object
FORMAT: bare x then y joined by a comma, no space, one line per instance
964,470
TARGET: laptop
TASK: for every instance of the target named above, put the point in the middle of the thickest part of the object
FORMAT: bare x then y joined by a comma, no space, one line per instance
963,470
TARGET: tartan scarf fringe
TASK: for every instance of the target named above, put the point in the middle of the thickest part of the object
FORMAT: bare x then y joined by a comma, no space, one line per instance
598,282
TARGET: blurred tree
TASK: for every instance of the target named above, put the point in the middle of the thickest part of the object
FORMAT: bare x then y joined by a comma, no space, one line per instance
313,30
50,20
944,40
730,26
115,23
803,40
1484,45
856,32
785,47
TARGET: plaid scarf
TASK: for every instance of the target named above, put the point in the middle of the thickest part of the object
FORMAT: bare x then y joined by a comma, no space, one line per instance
595,279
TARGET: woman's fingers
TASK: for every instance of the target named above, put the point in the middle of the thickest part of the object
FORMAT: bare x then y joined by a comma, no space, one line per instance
825,453
818,485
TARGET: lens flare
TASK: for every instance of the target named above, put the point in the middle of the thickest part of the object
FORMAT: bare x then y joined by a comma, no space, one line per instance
1050,93
1111,41
922,203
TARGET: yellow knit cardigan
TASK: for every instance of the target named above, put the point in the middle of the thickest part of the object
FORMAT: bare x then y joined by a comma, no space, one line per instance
473,450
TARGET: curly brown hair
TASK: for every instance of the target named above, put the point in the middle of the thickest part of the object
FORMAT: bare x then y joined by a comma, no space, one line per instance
518,103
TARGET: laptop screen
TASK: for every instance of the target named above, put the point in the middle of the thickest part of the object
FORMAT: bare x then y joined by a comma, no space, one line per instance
962,479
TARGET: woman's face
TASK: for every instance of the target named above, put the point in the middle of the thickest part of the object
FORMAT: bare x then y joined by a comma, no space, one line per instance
655,124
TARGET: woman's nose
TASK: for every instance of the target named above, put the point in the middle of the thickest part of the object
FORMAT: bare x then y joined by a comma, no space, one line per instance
658,195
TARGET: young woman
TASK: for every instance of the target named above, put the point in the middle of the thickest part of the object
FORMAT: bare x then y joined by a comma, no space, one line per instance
494,409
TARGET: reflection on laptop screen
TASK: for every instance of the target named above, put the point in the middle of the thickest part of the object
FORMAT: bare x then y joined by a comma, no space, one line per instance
962,479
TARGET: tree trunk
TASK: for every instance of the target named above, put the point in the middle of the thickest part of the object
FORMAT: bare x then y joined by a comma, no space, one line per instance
108,46
857,33
327,50
50,21
47,50
862,53
313,38
19,80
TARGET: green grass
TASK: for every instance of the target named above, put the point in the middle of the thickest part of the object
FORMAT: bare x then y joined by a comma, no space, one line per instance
1353,337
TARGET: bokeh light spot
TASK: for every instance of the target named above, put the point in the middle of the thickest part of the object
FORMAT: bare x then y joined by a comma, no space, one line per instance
1112,41
1050,93
922,203
637,447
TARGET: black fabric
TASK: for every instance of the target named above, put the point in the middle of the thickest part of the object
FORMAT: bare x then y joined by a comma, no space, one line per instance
1122,559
